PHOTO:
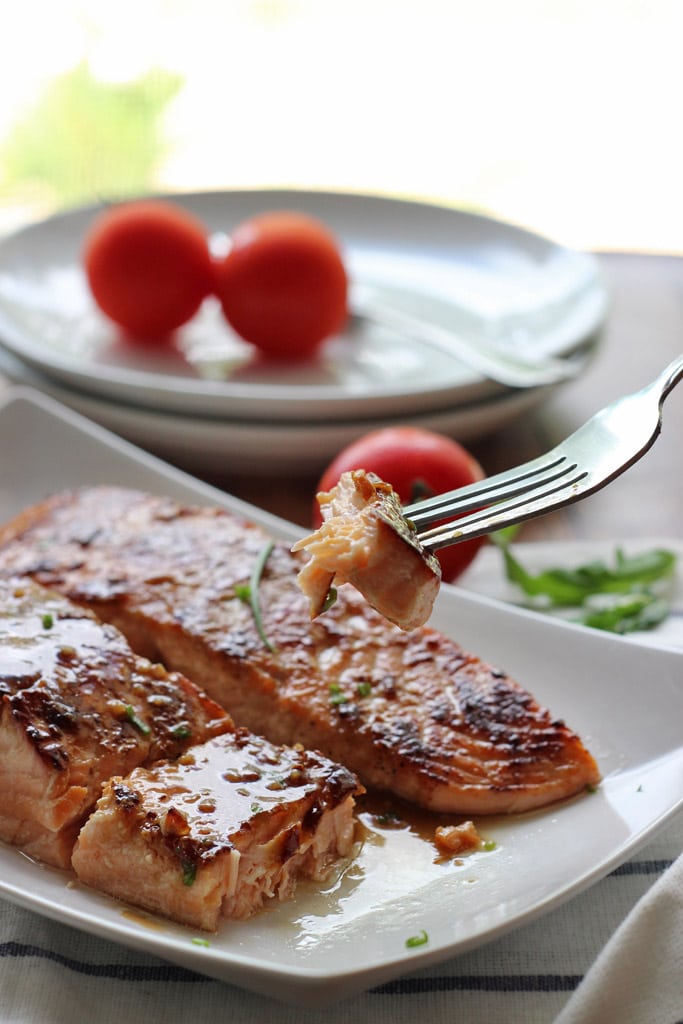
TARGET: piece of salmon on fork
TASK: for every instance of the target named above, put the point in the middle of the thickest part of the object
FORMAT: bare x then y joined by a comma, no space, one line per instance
366,541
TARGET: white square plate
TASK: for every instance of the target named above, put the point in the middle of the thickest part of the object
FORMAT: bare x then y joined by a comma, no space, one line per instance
624,699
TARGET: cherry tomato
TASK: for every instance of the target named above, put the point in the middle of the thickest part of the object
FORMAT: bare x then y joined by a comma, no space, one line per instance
148,266
417,463
283,284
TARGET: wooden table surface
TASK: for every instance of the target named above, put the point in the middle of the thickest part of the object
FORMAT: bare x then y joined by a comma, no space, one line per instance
644,333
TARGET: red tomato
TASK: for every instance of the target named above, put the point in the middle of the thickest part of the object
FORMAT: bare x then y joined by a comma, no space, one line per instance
417,463
283,285
148,266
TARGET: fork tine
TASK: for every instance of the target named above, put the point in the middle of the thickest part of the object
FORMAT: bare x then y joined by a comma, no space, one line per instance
517,509
489,491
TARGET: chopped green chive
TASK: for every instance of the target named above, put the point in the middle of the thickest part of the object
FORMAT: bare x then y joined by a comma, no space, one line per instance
137,722
189,873
417,940
489,844
249,592
364,689
200,942
48,621
330,599
336,695
181,732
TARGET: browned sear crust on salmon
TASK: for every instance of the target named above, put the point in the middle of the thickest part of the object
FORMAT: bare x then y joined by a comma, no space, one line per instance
225,828
409,712
77,706
366,541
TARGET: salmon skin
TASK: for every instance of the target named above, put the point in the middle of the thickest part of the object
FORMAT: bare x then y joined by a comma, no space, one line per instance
77,706
410,712
230,825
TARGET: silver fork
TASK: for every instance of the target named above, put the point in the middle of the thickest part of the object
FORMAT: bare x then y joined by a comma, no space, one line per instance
596,453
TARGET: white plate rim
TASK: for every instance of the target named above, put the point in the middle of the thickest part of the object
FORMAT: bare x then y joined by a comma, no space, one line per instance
282,449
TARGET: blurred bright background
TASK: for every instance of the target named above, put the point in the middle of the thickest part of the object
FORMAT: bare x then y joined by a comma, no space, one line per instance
560,115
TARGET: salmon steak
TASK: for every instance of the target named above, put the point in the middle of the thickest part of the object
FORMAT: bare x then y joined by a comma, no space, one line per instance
366,541
209,595
77,706
225,828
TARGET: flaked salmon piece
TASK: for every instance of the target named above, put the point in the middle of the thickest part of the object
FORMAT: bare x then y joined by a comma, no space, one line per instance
409,712
451,840
227,827
77,706
366,541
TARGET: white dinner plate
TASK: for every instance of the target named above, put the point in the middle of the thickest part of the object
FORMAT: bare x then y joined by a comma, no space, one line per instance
492,282
625,700
215,445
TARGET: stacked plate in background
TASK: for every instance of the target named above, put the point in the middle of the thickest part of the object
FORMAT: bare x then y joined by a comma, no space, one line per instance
208,404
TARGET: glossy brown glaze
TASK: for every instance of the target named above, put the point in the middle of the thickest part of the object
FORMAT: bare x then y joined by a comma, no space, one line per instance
77,706
227,826
410,712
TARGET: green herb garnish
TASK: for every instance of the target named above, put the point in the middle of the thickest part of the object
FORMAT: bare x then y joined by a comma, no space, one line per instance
489,844
181,732
417,940
200,942
618,598
249,592
136,721
189,873
624,613
336,694
330,599
364,689
48,621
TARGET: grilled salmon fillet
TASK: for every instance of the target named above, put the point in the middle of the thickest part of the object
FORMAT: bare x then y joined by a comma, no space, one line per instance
77,706
218,832
408,711
366,541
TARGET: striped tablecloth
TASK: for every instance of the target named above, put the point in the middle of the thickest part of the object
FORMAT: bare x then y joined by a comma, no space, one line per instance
52,973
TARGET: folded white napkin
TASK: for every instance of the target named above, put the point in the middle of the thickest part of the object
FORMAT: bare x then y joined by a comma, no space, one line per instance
638,977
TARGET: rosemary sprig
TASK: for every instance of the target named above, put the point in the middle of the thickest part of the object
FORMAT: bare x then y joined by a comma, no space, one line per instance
249,593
